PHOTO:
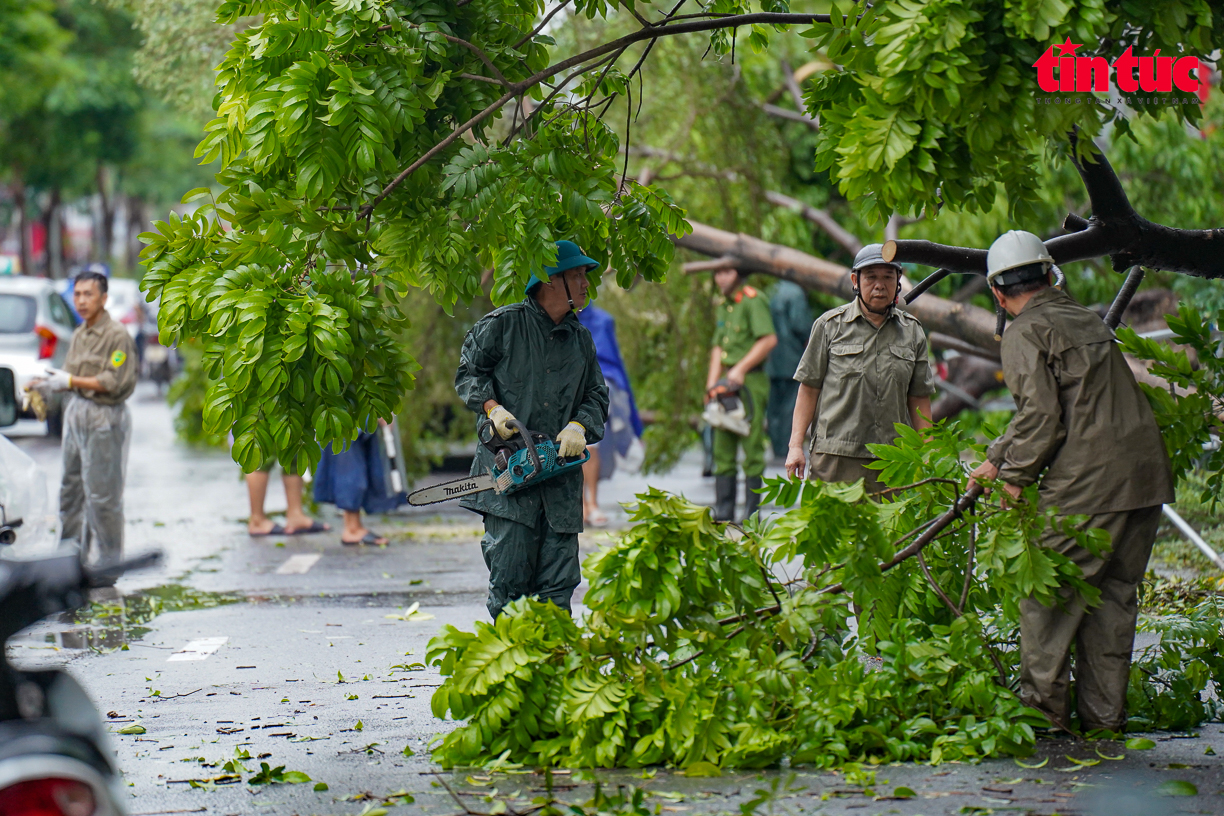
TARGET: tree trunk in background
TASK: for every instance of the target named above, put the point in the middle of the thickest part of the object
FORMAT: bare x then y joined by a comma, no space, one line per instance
52,251
972,324
105,231
137,223
23,228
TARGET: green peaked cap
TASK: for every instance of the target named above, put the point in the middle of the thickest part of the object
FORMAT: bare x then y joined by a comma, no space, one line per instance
569,255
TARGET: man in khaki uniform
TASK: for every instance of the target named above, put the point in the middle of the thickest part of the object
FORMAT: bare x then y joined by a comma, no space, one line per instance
865,369
742,342
1082,419
100,371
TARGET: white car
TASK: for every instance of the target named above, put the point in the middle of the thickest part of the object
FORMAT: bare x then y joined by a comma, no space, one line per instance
36,327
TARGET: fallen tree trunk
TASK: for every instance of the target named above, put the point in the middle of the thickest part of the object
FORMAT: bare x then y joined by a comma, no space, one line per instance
966,322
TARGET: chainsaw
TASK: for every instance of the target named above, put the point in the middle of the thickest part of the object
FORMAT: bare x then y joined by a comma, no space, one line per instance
524,460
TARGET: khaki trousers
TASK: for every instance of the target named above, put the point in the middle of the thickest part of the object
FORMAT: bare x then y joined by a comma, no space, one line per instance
1103,636
95,447
829,467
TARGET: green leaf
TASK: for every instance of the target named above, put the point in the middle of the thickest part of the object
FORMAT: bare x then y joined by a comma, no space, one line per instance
903,792
131,729
320,786
1140,744
702,769
1177,787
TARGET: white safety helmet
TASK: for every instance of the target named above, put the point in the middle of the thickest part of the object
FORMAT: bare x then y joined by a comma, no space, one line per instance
1012,249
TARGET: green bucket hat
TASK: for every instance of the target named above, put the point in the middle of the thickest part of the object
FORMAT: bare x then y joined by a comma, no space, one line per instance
569,255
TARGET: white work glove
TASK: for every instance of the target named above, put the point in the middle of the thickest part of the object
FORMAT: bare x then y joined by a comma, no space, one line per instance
58,380
571,442
501,419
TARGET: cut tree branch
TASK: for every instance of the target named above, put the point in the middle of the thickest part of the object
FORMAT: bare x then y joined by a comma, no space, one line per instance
515,89
1114,229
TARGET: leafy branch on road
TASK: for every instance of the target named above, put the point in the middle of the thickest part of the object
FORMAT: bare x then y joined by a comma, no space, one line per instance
694,653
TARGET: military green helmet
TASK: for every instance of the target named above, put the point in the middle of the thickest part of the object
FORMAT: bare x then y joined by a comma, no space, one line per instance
569,255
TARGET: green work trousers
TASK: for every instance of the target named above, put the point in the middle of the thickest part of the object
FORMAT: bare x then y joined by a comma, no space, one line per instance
726,443
95,448
1103,636
782,394
529,561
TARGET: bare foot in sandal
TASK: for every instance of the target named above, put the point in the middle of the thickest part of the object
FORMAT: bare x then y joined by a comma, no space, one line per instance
355,532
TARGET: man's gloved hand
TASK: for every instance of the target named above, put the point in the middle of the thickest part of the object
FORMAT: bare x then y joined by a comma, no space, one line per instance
58,380
571,442
501,418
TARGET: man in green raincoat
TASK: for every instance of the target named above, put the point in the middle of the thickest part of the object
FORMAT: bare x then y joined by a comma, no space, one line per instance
534,362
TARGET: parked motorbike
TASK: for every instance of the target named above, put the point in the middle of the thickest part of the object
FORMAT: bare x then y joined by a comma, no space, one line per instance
55,759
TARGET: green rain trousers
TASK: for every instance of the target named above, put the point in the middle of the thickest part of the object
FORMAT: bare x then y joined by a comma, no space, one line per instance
95,449
726,443
529,561
1103,636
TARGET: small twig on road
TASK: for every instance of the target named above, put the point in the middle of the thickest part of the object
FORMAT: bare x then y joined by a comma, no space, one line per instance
173,696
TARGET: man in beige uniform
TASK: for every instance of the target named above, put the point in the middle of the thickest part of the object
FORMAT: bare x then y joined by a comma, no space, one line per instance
100,371
1082,419
865,368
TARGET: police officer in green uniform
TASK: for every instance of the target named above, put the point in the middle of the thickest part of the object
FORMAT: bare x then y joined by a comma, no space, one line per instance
866,368
1086,432
533,361
742,342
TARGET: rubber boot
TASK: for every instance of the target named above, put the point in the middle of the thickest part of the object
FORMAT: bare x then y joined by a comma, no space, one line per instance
724,498
752,499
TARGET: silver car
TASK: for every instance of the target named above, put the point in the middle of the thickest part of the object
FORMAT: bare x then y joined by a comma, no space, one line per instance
36,327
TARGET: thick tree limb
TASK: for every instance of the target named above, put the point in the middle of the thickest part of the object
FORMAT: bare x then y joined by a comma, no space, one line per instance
843,237
969,323
1114,229
665,29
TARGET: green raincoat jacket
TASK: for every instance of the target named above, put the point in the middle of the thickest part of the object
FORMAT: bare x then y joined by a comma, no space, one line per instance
545,374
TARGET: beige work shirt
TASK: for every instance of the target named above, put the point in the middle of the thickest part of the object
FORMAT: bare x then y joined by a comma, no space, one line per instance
104,350
1080,415
866,376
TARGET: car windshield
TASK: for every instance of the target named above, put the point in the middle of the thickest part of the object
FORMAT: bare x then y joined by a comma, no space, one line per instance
17,313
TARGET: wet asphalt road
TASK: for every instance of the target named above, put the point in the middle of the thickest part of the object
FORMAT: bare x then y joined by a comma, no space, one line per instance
302,659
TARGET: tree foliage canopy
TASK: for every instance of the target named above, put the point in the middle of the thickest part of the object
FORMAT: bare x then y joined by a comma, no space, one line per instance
377,150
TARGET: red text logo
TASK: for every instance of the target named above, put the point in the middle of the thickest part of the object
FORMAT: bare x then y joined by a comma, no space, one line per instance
1154,74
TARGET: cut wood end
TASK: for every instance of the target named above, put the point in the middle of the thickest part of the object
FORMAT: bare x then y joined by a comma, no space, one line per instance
889,250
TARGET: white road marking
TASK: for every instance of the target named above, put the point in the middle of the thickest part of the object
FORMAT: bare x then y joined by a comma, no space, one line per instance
198,649
299,564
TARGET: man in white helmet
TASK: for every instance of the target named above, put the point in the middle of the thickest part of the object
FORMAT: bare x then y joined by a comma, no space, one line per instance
864,370
1085,430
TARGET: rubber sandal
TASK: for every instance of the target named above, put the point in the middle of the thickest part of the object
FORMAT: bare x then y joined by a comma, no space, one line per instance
597,519
372,538
316,526
276,530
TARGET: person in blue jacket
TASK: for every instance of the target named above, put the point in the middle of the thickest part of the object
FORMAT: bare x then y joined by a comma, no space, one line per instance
624,424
